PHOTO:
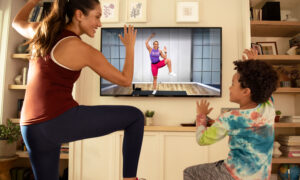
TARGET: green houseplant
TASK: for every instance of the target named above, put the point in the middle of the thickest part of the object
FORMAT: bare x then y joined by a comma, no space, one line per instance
9,135
278,114
149,113
149,117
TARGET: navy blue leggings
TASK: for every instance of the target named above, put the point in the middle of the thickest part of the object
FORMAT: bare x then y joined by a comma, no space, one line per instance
43,140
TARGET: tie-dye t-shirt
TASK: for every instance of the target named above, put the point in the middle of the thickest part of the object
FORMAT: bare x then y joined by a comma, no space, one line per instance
251,137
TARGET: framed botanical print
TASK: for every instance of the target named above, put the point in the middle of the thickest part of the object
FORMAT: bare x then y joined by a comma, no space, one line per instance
136,11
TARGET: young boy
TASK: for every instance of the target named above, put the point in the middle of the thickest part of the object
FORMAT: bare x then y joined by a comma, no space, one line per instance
250,129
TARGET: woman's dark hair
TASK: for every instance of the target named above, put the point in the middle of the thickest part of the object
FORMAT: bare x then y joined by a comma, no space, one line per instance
259,77
52,25
155,42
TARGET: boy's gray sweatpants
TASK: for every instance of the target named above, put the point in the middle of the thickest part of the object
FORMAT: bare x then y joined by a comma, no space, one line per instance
208,171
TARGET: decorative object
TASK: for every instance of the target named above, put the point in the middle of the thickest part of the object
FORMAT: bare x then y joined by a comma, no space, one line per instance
22,48
294,75
292,51
136,10
298,83
277,117
149,117
295,171
257,47
298,51
283,171
24,75
276,152
110,10
187,11
289,171
271,11
18,79
9,134
268,48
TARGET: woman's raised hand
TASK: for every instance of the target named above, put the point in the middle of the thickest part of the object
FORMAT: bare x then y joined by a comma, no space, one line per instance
129,36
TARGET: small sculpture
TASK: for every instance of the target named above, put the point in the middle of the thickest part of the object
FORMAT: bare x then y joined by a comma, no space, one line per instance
276,152
18,79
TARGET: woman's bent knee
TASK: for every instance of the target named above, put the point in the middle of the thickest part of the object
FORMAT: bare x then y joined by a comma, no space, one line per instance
139,114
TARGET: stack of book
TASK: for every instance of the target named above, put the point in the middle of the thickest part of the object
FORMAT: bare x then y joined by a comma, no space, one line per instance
290,119
290,145
64,148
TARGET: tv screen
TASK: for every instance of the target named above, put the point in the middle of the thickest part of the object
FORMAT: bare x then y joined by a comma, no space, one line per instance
191,66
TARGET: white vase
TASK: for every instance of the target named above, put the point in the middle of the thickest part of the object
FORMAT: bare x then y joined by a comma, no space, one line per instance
149,121
7,149
276,151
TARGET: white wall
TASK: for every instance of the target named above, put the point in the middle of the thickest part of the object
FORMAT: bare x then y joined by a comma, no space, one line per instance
227,14
10,67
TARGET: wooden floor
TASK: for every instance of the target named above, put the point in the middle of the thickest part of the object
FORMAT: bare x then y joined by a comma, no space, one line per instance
190,89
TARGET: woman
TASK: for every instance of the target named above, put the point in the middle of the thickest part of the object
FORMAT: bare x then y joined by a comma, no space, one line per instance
50,116
155,62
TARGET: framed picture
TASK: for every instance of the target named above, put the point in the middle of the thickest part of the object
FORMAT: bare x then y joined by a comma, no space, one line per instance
136,11
257,47
187,11
268,48
110,10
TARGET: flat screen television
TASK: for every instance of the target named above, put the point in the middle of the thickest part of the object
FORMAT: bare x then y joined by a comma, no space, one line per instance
195,54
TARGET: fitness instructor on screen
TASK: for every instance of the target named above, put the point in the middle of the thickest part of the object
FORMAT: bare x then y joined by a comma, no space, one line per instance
155,62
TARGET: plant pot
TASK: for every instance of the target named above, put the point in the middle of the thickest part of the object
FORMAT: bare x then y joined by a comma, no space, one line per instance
149,121
277,118
7,149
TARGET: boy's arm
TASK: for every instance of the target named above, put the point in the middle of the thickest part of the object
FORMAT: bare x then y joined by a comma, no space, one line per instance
209,135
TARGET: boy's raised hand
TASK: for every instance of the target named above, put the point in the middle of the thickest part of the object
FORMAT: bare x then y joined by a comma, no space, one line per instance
250,54
203,107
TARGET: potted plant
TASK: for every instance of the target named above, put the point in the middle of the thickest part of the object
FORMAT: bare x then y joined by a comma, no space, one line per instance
149,117
277,117
9,135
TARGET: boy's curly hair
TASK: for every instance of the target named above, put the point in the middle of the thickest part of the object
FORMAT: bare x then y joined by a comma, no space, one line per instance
259,77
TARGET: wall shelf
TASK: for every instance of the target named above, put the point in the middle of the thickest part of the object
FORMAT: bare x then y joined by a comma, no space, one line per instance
287,90
280,59
16,87
24,154
286,124
15,120
171,128
286,160
274,28
21,56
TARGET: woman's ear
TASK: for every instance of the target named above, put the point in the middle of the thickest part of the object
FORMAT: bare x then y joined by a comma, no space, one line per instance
78,14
